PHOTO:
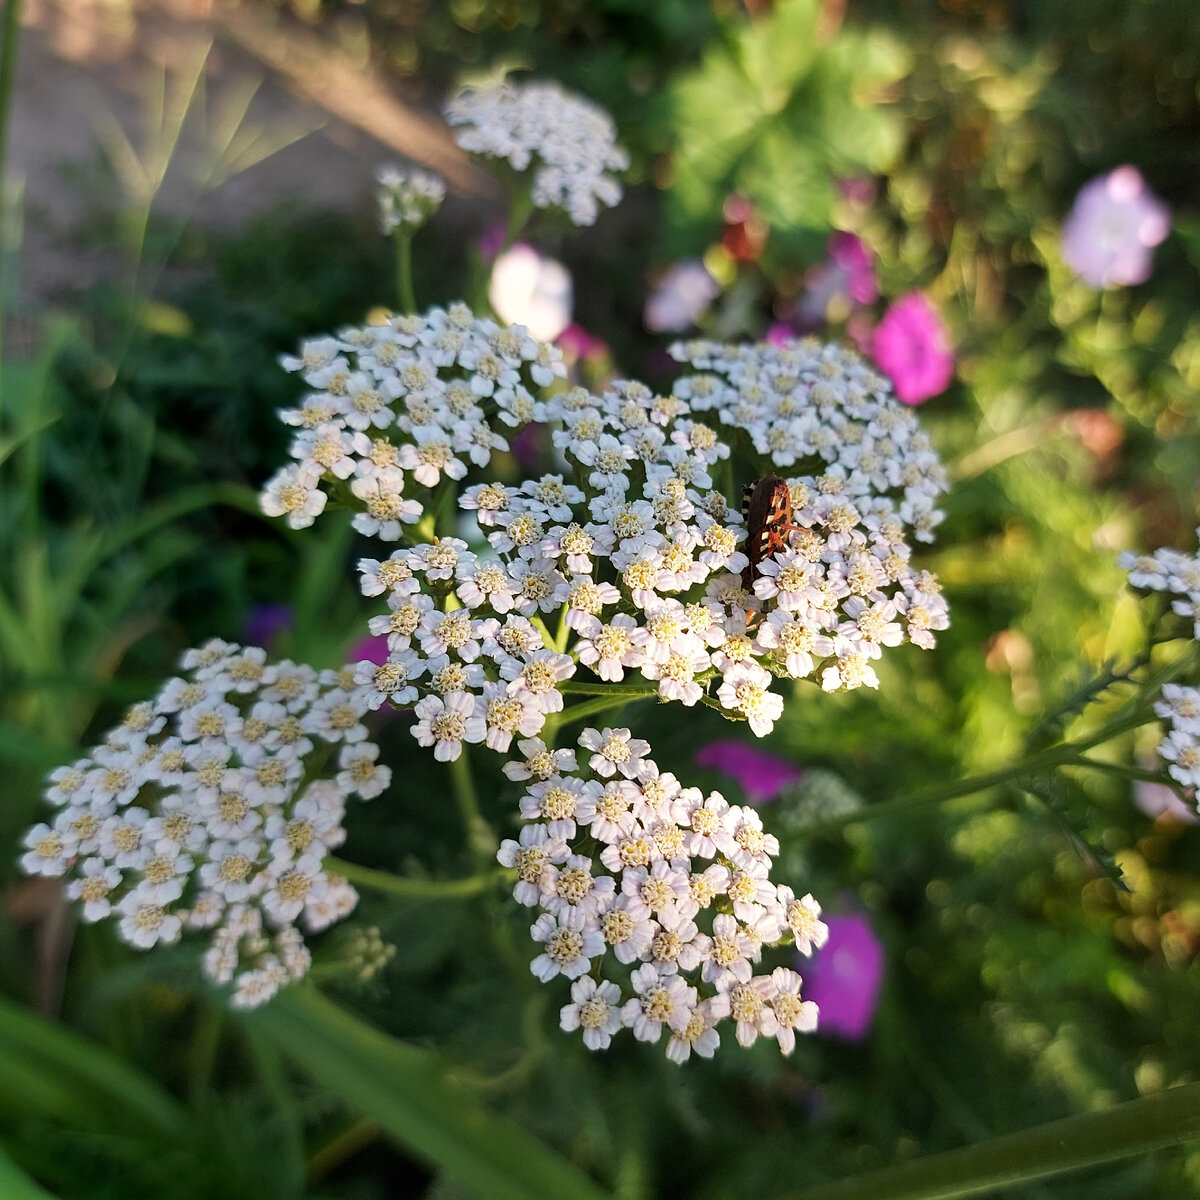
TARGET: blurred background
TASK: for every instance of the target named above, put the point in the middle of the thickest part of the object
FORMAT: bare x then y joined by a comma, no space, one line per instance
189,191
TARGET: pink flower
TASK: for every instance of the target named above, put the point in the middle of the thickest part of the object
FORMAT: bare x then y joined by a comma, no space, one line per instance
682,294
911,345
1114,224
780,334
844,978
1163,803
762,776
576,343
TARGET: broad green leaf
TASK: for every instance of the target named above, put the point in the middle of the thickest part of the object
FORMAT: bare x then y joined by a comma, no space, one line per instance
404,1088
775,115
1136,1127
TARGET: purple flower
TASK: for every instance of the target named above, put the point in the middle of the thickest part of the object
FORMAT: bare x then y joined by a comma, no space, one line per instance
762,776
911,345
1113,226
844,279
682,294
529,444
369,649
844,978
265,622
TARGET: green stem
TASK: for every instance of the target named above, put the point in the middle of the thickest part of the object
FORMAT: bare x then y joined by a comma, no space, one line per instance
404,282
414,889
589,708
8,76
1136,1127
481,839
519,213
1055,756
340,1147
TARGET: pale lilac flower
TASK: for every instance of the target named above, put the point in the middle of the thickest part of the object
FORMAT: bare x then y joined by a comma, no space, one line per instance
529,289
911,345
1112,228
682,294
845,279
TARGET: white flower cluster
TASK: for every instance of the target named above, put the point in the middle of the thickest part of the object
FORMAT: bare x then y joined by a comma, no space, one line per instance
570,141
412,397
1168,571
205,809
819,410
668,889
640,563
1180,708
407,197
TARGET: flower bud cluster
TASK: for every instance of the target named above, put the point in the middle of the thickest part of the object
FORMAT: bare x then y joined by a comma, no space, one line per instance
412,398
656,901
407,197
569,142
1169,571
210,808
638,565
819,410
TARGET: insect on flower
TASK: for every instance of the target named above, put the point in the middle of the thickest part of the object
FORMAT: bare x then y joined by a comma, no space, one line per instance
767,507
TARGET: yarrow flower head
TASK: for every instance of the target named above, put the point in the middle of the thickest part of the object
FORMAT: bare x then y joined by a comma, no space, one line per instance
1176,575
399,406
642,569
1109,235
828,421
568,142
207,809
407,197
656,901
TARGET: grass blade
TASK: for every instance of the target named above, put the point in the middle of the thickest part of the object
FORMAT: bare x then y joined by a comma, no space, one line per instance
403,1088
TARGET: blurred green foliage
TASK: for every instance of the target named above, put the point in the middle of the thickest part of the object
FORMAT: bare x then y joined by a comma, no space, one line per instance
1021,984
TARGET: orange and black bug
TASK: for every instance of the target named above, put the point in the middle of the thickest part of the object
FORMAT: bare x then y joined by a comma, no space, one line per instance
767,507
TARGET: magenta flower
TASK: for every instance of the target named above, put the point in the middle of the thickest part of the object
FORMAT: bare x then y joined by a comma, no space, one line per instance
1112,228
780,334
682,294
845,279
762,776
369,649
844,978
911,345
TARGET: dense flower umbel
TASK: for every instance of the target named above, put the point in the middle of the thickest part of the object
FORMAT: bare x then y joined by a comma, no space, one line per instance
636,566
207,809
569,142
656,901
1177,575
1170,571
828,421
407,198
407,402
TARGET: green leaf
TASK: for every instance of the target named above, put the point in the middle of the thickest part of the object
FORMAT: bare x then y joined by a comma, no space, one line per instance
52,1072
1136,1127
16,1185
404,1088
